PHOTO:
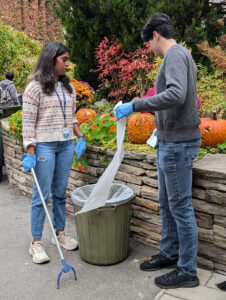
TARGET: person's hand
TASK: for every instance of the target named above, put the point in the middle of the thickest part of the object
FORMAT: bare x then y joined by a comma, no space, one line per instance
29,161
80,147
124,110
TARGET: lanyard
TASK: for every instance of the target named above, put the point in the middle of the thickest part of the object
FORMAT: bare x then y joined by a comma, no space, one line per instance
61,105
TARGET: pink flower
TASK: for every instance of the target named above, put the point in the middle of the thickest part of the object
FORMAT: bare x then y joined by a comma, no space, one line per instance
199,102
88,85
150,92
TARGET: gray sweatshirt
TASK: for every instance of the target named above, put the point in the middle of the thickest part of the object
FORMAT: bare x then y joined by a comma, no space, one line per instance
12,89
175,101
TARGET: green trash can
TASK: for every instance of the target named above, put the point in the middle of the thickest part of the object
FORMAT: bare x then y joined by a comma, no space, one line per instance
103,233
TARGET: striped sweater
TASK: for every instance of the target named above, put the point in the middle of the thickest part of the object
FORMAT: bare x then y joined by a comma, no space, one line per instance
43,120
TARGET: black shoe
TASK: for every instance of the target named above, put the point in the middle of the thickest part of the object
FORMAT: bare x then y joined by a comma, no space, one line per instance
157,262
176,279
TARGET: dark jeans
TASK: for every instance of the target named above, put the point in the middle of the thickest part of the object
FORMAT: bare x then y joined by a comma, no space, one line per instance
179,229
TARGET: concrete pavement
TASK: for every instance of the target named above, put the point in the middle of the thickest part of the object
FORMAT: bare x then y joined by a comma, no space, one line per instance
20,278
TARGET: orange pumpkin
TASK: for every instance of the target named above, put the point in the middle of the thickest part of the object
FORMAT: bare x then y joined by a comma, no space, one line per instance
110,119
85,115
140,127
213,131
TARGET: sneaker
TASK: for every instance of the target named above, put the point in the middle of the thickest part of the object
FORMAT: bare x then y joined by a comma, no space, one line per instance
176,279
65,241
157,262
38,253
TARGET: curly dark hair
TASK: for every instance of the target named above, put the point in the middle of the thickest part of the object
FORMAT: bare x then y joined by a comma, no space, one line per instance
44,69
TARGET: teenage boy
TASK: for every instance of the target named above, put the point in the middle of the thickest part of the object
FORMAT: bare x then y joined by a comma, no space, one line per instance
179,140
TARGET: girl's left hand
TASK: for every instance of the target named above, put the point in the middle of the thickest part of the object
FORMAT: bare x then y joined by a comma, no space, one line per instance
80,147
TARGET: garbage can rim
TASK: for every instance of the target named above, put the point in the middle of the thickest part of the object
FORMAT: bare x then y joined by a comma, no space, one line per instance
78,194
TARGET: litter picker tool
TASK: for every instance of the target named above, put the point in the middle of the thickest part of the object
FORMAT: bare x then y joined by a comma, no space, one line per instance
65,268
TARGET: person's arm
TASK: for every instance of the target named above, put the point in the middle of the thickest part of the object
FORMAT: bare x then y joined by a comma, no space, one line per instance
81,143
77,131
176,86
13,93
30,112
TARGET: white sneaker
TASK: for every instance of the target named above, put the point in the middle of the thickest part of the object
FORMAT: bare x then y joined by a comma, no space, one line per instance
65,241
38,253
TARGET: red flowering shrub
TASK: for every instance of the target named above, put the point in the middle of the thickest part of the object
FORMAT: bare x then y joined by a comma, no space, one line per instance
124,74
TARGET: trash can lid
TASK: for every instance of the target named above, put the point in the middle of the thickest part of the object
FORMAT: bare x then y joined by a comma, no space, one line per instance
119,194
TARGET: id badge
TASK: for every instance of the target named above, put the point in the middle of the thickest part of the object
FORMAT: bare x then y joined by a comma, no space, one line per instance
65,132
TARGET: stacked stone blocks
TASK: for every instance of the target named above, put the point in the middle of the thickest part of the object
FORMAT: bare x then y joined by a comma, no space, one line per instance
138,171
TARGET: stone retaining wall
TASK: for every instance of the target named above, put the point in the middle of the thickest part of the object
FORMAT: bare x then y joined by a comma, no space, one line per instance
138,171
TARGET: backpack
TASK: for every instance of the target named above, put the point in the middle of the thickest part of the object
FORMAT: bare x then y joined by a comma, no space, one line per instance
5,95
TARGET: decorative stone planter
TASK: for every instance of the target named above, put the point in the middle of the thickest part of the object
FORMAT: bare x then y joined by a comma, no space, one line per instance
138,171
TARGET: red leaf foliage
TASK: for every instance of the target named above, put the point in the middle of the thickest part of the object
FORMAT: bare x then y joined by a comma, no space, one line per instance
125,73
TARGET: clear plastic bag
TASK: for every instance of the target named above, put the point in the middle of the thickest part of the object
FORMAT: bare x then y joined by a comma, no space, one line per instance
119,194
101,190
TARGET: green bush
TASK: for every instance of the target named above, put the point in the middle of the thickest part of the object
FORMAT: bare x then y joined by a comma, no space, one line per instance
15,124
106,108
87,22
210,88
18,54
99,130
221,148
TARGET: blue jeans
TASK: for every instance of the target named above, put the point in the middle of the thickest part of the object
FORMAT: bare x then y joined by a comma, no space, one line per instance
54,160
179,229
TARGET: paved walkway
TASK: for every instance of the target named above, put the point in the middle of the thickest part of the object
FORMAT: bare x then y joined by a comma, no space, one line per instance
21,279
207,289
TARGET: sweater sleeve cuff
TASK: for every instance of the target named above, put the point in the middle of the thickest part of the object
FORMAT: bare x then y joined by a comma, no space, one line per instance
28,143
75,121
133,104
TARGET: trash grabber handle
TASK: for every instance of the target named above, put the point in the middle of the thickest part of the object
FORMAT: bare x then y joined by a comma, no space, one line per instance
47,213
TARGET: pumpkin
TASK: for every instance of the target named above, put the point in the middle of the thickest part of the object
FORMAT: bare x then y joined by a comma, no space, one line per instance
85,115
113,118
213,131
140,127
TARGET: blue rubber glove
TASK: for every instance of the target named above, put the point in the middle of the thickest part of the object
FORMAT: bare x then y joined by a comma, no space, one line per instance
80,147
124,110
29,161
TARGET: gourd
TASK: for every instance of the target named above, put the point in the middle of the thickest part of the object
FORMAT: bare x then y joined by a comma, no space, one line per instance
140,127
85,115
213,131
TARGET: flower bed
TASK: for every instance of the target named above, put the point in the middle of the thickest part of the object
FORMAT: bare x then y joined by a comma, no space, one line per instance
138,171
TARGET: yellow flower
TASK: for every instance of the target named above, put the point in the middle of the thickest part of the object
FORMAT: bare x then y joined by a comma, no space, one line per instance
82,91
